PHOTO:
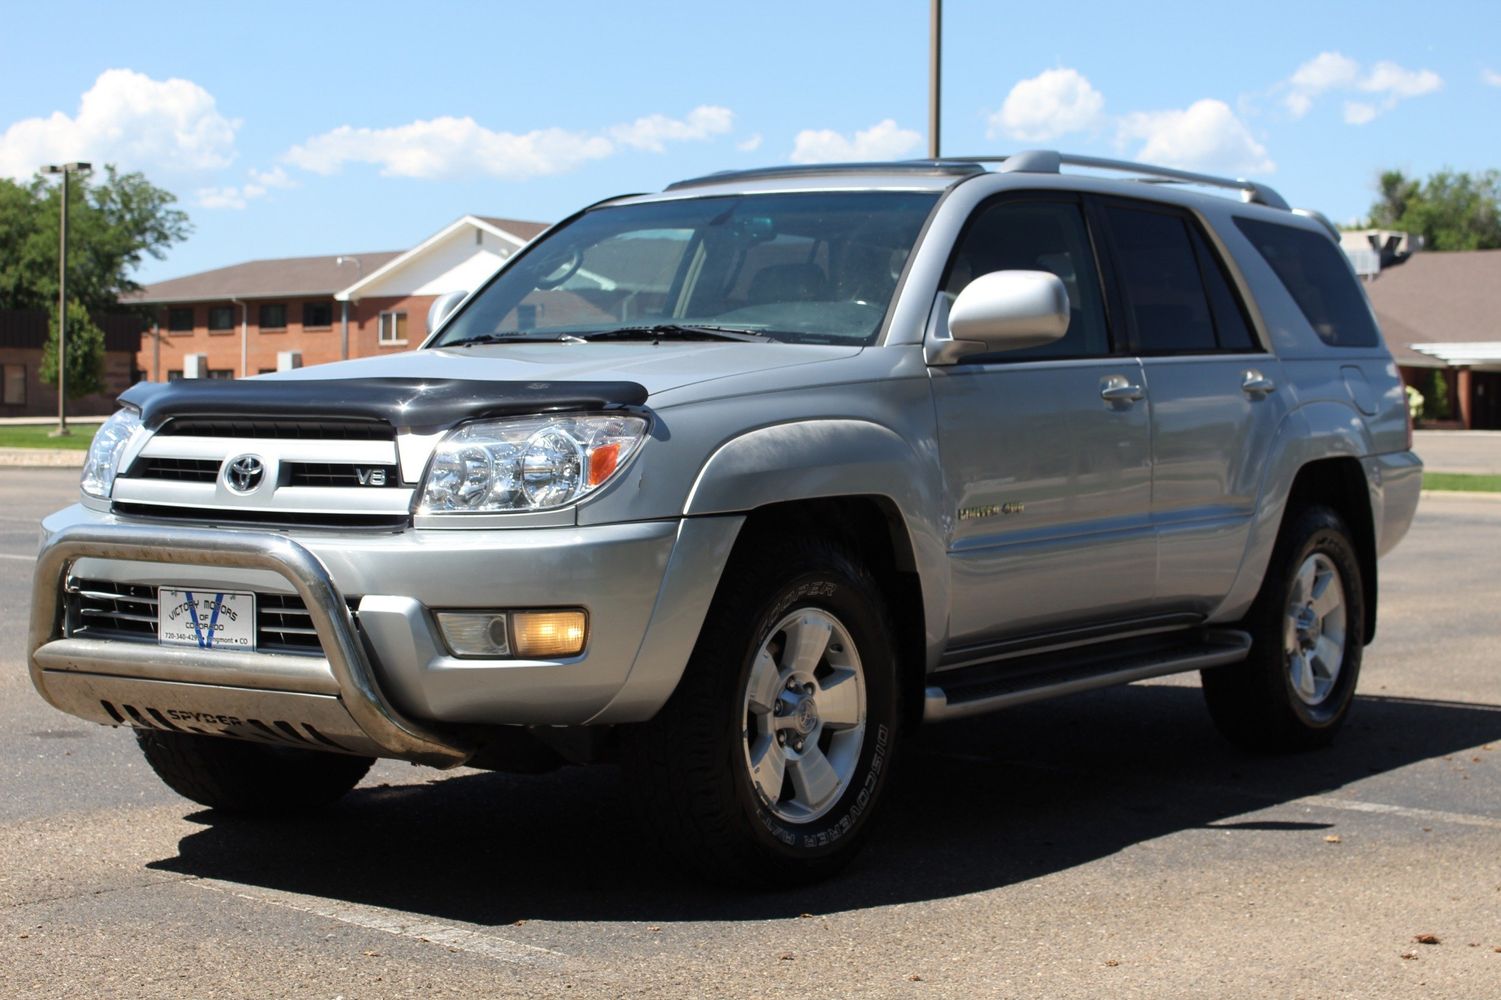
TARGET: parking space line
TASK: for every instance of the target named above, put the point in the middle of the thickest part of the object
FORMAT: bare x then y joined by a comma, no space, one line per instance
7,555
395,922
1406,812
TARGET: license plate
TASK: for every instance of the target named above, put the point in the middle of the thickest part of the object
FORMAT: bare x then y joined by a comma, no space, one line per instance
205,618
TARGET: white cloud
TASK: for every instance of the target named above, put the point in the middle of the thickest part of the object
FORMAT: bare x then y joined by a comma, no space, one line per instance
1205,136
129,119
1051,104
448,147
261,182
882,141
654,131
1490,77
1386,81
750,144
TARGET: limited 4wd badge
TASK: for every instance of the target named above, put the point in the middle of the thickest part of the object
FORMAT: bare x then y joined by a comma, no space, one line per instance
206,619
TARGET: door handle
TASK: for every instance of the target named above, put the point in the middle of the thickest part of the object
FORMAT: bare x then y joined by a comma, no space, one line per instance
1119,389
1253,383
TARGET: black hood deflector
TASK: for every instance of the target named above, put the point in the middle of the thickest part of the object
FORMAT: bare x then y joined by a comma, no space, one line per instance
400,402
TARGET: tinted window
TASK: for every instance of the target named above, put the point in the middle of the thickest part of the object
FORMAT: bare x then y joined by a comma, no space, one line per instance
1316,275
1036,236
1159,271
180,319
317,313
221,318
1230,325
273,317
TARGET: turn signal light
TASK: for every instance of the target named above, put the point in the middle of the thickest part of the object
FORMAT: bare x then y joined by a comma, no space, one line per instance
549,635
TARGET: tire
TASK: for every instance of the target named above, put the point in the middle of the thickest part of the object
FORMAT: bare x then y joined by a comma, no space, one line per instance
1307,625
765,767
243,777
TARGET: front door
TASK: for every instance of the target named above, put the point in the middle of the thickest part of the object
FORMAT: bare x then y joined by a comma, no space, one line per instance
1048,481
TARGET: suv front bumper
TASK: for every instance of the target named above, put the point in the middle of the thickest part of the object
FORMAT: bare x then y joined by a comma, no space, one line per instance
385,684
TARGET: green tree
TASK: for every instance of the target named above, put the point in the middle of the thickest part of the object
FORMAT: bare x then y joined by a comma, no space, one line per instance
85,353
1451,210
114,223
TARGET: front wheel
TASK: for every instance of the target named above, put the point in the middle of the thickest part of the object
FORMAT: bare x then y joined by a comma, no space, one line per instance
1295,688
244,777
766,765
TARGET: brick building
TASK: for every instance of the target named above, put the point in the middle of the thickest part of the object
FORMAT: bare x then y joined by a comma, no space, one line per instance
23,334
262,315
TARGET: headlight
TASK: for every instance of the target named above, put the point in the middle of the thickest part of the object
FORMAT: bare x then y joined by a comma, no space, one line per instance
527,463
104,453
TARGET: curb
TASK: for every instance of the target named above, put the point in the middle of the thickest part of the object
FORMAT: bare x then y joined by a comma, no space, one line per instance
42,458
1473,494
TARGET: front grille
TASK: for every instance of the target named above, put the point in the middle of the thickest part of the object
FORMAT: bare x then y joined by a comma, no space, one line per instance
303,430
335,474
183,470
265,518
101,609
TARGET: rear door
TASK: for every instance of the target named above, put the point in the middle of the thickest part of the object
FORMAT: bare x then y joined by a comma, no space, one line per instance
1049,483
1212,394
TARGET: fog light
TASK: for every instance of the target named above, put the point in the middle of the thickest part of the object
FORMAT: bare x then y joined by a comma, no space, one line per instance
547,635
482,634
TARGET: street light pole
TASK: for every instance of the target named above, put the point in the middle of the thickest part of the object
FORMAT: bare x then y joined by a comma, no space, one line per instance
82,170
935,63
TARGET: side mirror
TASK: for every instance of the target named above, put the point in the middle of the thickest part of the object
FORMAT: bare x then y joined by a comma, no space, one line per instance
1001,311
442,306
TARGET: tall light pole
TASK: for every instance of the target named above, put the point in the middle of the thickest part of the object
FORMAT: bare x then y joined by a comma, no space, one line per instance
935,64
82,170
359,271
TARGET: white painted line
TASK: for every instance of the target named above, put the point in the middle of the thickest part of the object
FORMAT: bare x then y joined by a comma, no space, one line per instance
395,922
7,555
1406,812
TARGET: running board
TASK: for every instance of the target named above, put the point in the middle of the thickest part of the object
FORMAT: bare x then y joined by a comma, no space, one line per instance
985,688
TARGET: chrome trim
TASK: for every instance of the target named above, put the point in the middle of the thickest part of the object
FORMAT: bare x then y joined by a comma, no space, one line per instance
351,669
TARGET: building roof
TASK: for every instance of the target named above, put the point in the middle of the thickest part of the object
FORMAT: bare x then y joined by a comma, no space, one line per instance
1436,298
281,277
525,230
507,230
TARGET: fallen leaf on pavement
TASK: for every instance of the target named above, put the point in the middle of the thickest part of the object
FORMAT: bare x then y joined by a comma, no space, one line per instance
1333,838
1426,938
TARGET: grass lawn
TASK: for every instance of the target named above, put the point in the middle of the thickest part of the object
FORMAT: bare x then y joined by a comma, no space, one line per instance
31,436
1461,481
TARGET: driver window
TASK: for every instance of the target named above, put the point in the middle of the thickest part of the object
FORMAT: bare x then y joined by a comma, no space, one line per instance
1036,236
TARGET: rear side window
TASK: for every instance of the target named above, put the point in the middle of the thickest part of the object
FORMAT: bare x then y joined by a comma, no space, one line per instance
1159,268
1315,274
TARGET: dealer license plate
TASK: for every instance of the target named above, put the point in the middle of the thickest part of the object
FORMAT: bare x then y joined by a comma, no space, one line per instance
205,618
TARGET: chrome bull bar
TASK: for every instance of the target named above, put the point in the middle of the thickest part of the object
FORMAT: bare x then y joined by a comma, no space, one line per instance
353,680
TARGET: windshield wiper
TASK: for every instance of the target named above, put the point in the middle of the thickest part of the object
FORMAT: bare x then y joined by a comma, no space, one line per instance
513,337
680,331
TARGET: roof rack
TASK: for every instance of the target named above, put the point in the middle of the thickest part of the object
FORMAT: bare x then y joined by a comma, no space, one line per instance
946,167
1048,161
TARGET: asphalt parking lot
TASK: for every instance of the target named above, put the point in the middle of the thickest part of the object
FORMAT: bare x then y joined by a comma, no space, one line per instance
1105,845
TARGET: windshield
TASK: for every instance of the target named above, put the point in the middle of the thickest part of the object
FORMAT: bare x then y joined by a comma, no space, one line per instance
817,268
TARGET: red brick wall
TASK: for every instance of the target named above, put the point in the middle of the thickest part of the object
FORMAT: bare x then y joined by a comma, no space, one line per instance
318,345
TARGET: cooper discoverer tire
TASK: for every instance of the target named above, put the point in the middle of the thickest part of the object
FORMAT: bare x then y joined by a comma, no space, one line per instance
766,765
243,777
1294,690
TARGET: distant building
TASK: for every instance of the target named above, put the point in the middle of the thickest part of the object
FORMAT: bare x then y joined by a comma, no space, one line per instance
256,317
1441,315
23,335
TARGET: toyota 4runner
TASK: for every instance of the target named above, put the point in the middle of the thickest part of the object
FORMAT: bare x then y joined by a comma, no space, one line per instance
737,483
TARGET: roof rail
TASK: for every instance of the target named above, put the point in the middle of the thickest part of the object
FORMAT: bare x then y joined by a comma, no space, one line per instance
946,167
1048,161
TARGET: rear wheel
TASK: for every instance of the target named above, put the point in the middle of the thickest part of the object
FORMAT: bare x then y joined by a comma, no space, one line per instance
1295,688
239,776
766,765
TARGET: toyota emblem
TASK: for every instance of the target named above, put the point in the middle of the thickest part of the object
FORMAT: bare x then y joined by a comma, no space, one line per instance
243,474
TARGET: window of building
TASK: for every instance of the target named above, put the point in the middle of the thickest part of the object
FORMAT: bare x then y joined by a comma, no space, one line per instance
393,328
1318,277
273,316
180,319
221,373
221,317
317,314
174,374
264,371
13,384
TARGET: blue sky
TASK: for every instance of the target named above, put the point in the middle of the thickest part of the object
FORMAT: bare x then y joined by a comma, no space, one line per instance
305,128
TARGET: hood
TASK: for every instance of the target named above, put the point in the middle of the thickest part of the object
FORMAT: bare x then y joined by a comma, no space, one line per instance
655,367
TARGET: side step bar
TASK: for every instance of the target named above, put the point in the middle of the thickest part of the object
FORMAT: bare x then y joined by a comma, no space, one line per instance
958,694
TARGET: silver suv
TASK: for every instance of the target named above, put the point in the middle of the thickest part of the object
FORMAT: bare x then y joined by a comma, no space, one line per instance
737,483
